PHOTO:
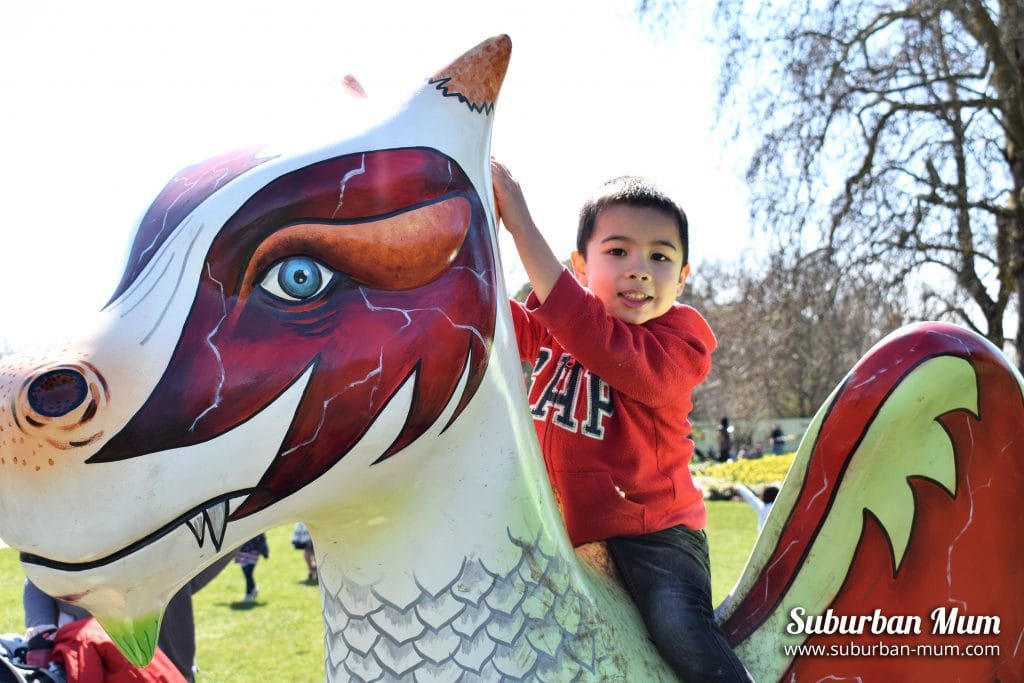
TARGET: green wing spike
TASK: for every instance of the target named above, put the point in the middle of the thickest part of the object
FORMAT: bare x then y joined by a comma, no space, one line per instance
907,441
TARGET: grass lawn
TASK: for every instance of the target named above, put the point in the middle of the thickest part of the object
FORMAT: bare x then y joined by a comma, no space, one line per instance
280,637
732,530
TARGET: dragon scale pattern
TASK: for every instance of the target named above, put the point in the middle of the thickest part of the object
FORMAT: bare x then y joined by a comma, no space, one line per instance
530,623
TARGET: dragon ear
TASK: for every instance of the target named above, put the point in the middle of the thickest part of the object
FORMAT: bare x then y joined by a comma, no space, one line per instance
475,77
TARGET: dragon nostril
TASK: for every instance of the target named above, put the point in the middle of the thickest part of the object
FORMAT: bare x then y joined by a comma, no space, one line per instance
57,392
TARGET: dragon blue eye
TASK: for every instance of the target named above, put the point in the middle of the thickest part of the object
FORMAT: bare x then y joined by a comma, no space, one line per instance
297,278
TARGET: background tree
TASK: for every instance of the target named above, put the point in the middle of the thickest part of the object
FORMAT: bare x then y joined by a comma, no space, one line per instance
788,334
893,132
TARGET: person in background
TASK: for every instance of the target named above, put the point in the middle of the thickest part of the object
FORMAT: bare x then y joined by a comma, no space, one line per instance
725,445
762,505
751,452
301,540
247,556
778,439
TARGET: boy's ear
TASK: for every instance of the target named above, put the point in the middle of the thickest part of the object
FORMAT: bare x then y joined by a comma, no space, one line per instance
579,267
683,274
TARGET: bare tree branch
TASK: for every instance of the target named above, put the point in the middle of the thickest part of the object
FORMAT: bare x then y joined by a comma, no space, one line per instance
893,132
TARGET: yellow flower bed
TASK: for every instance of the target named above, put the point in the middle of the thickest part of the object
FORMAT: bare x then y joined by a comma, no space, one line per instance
764,470
717,478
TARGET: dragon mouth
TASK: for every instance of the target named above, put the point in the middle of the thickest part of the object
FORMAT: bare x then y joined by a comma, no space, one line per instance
206,521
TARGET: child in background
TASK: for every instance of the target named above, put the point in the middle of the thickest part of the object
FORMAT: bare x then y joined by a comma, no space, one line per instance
301,540
615,362
247,556
762,505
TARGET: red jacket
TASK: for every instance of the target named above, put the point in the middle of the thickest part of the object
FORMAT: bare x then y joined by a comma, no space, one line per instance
610,402
88,655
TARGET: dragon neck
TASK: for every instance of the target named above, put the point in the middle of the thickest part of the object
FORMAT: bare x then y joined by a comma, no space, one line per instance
456,561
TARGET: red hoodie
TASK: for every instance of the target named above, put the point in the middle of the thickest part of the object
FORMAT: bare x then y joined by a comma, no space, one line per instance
610,401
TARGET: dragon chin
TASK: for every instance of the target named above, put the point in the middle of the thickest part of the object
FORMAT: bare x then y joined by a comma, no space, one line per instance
135,638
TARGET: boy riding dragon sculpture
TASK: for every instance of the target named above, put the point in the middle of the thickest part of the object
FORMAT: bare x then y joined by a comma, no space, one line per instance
324,336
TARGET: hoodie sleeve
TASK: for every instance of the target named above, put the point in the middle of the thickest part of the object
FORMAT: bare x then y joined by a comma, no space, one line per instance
650,363
528,331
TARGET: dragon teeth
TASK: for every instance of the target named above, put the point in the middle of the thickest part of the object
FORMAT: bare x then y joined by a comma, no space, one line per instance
217,519
198,527
214,518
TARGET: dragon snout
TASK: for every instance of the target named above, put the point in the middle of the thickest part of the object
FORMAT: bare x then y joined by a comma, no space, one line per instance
58,404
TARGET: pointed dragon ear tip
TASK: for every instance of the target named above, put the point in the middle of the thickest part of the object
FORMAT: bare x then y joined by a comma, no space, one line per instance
500,43
475,77
503,42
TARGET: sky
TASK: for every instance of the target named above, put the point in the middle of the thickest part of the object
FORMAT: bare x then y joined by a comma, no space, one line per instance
103,101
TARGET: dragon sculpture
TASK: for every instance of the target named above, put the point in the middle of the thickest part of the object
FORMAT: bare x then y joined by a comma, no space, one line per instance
323,335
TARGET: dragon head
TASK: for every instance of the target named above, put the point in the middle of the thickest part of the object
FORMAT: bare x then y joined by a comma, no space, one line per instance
281,317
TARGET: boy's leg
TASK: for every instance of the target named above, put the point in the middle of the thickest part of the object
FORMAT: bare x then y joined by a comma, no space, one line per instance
668,575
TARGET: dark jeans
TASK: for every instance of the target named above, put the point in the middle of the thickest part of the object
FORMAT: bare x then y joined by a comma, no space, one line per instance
668,575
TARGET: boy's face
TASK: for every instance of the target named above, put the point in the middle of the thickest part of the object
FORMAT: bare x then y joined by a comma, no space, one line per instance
633,262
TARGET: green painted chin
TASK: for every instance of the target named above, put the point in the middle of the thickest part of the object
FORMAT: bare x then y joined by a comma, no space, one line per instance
135,638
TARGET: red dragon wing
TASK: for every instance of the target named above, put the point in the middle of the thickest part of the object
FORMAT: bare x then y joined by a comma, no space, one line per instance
891,552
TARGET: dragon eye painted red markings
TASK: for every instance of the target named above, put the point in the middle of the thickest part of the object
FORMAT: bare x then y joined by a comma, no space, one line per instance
407,235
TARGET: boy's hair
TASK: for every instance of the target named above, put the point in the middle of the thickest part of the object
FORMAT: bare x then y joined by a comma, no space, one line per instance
635,191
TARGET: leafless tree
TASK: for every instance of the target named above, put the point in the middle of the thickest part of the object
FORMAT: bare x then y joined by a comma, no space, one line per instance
893,132
788,335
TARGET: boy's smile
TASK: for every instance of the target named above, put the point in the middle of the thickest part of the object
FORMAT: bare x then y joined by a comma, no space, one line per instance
633,262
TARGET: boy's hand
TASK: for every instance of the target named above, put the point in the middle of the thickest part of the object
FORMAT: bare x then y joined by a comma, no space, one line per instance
510,203
540,263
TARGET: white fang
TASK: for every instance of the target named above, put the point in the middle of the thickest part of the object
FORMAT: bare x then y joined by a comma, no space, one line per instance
214,518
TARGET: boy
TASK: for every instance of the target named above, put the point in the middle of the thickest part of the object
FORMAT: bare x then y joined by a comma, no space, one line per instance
616,360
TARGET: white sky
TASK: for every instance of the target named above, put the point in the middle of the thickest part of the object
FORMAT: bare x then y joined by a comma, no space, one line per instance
103,101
